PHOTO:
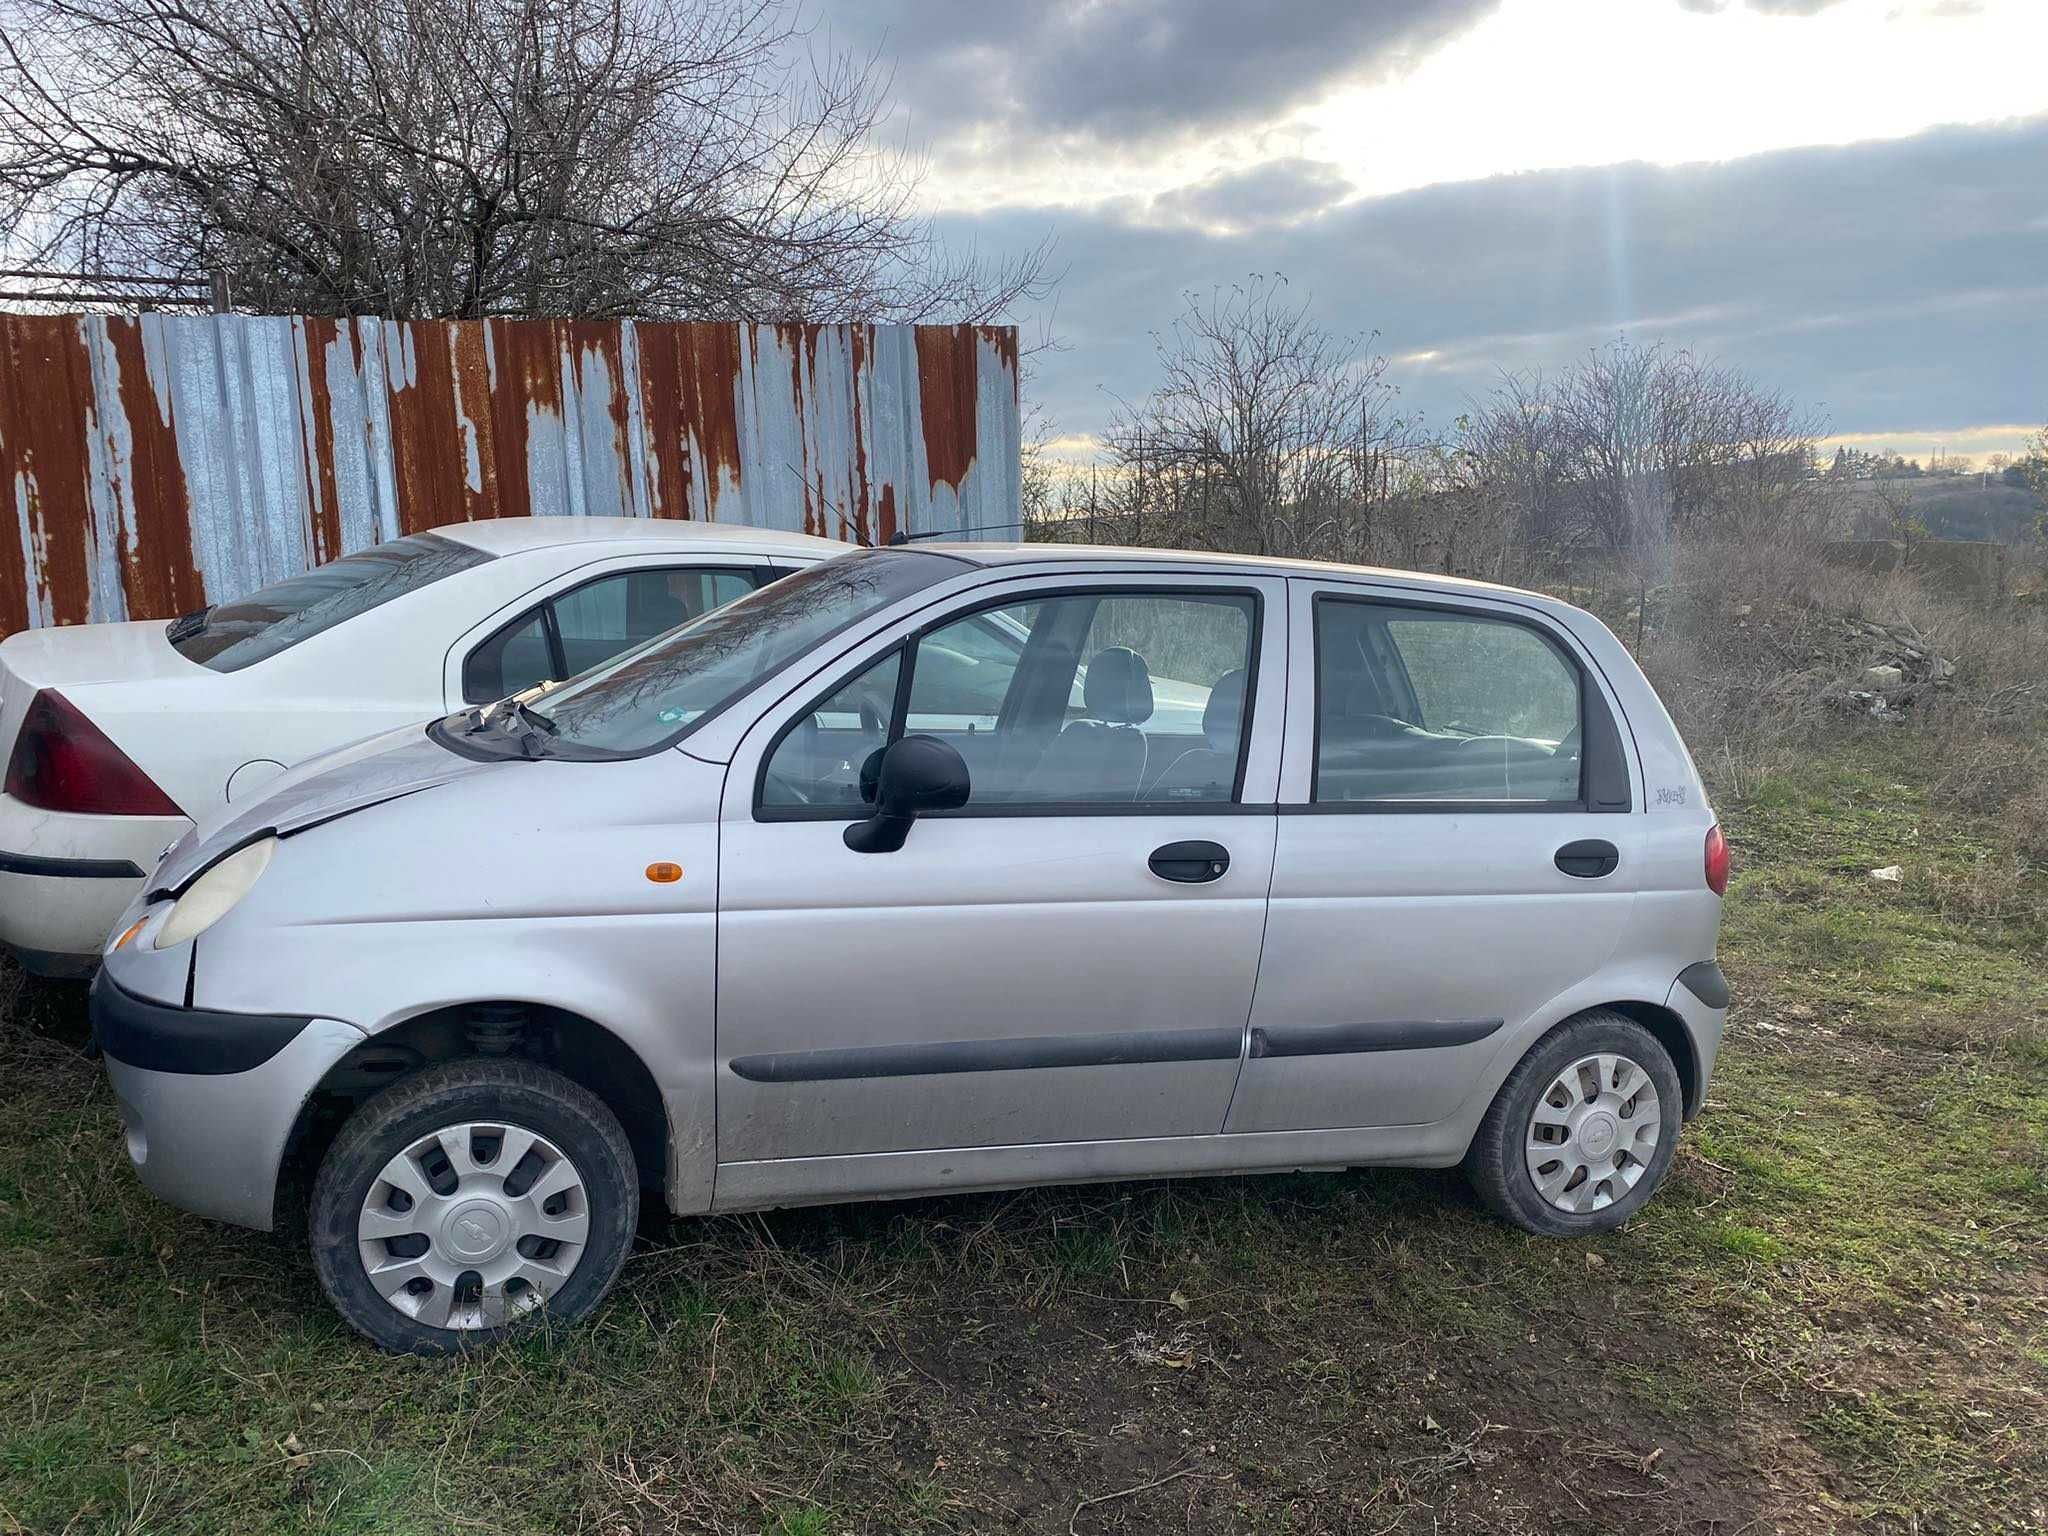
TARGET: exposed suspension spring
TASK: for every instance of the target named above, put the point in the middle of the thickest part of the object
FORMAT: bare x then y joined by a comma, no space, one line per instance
495,1029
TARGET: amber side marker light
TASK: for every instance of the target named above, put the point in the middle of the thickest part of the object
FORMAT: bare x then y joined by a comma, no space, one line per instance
664,874
130,931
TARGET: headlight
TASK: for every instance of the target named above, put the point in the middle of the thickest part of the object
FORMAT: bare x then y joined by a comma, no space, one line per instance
213,895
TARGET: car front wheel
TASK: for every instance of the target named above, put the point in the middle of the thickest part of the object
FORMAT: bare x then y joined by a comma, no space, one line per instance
1583,1129
461,1202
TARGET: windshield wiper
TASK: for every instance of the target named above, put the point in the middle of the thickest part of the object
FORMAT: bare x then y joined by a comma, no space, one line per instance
533,718
512,717
186,625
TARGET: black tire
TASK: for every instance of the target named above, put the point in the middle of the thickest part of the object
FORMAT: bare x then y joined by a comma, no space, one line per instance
474,1089
1496,1163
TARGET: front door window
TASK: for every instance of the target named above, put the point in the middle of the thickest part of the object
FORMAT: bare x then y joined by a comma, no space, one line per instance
1105,699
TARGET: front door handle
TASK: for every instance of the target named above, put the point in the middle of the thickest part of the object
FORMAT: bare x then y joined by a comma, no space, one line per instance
1589,858
1190,863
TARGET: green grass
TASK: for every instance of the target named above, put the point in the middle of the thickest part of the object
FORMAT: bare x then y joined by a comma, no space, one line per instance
1833,1317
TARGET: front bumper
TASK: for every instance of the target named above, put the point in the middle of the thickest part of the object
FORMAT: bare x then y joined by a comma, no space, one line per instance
208,1098
64,880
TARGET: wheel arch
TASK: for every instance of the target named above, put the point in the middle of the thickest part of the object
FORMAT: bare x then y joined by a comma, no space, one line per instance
1670,1031
571,1043
1666,1025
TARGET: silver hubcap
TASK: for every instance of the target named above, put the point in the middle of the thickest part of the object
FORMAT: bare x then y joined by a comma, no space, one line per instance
473,1225
1593,1133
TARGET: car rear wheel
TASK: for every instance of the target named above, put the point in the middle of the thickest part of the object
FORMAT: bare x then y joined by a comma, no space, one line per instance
463,1202
1582,1131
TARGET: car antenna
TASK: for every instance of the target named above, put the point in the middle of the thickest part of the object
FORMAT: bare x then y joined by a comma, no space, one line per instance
900,537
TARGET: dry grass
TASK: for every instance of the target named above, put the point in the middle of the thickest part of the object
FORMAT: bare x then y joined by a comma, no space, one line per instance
1755,651
1833,1319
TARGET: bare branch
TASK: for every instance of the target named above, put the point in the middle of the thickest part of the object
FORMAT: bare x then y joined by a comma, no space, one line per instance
470,157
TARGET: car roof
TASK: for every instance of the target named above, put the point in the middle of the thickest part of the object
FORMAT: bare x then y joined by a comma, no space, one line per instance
1207,560
516,535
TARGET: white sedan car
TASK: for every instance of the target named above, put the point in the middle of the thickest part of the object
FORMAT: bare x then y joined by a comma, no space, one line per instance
123,734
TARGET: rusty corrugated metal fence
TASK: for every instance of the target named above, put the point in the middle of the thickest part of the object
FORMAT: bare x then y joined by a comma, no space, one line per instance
161,462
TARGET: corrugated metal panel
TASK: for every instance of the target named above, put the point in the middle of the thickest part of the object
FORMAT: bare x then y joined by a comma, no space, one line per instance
162,462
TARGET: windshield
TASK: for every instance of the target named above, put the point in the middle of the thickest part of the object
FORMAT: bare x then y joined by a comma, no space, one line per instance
656,695
230,636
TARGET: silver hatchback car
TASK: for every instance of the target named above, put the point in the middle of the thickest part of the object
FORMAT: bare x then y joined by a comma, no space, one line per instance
926,871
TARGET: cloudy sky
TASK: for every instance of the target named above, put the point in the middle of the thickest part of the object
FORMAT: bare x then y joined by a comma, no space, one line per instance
1848,198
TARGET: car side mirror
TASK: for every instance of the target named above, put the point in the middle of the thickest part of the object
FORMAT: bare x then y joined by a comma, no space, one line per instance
915,775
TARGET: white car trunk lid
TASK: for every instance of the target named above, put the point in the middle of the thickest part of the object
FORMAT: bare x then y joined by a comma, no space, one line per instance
73,657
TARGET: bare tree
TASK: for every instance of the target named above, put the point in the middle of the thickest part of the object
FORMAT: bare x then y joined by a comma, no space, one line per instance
1632,448
1266,433
1491,499
1758,470
1890,514
473,157
2034,465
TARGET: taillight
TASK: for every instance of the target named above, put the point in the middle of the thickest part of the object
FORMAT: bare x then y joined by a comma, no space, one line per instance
63,762
1717,862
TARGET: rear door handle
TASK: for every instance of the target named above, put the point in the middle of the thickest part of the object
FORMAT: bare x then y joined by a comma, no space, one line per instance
1190,863
1588,859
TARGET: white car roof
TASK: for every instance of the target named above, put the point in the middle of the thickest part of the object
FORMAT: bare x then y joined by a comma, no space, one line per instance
516,535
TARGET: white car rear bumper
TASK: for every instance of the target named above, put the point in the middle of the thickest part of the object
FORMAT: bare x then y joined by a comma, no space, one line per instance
64,879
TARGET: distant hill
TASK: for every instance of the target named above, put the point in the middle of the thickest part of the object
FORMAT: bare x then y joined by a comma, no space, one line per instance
1954,507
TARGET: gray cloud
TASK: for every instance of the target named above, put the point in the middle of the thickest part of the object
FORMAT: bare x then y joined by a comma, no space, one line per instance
1092,69
1767,7
1898,283
1276,193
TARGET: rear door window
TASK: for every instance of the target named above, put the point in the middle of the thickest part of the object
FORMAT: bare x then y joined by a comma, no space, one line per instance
604,617
232,635
591,624
1420,705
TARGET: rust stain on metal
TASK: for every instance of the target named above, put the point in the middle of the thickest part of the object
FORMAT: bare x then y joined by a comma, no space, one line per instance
857,351
661,394
157,571
49,452
135,490
323,532
426,438
1002,339
946,401
470,369
14,448
528,382
690,375
711,389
